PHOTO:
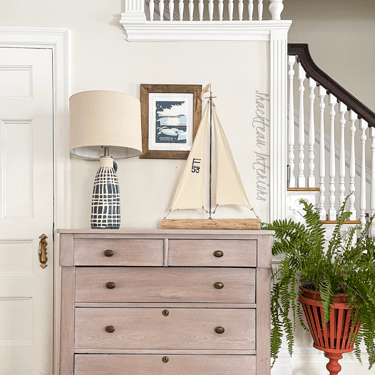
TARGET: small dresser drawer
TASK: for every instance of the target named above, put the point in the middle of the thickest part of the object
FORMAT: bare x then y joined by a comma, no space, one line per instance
120,284
154,328
165,364
212,253
118,252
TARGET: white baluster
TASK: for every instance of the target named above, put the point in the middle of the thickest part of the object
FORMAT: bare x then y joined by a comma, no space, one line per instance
251,9
276,8
322,156
363,126
353,118
201,9
181,9
191,9
332,157
372,187
301,176
171,10
260,10
211,9
311,180
292,179
240,9
342,110
230,10
221,9
151,7
161,9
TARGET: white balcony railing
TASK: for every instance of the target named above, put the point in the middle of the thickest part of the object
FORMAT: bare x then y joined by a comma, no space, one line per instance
144,18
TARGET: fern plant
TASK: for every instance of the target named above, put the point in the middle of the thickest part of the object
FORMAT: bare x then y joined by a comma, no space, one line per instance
342,265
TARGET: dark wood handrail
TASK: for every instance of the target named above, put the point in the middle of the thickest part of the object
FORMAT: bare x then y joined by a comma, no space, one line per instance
313,71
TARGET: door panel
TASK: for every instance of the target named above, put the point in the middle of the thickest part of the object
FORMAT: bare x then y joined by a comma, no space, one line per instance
26,211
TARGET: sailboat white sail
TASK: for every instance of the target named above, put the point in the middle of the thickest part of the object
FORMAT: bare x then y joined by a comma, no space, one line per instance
228,186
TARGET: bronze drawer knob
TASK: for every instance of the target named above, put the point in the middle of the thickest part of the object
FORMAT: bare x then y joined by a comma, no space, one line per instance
219,285
165,359
165,313
110,329
219,330
108,253
111,285
218,253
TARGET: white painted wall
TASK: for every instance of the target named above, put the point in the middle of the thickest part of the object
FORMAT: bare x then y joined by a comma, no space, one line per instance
102,59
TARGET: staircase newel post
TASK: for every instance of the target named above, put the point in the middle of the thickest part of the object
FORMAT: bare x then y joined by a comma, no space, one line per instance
292,180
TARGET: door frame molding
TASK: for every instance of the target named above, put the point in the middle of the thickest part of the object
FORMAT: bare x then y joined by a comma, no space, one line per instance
59,41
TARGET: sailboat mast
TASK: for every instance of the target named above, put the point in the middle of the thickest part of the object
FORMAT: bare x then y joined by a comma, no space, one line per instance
210,183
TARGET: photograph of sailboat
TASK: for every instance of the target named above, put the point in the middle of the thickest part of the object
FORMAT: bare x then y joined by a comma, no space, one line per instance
170,122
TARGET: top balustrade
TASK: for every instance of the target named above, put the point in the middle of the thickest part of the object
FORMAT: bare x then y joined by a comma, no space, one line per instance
137,11
211,10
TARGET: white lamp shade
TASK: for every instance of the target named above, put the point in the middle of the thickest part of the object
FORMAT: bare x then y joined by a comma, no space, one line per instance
105,118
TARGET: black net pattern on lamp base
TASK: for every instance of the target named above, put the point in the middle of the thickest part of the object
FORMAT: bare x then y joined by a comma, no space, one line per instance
105,205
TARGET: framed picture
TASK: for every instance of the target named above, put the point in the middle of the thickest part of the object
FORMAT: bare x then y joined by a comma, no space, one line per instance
170,118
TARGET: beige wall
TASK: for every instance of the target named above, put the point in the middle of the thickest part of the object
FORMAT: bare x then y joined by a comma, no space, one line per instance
341,38
103,59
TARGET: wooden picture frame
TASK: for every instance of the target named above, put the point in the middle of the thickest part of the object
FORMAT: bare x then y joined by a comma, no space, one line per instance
169,136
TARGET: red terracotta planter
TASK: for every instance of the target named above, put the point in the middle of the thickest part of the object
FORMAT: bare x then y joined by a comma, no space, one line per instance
334,337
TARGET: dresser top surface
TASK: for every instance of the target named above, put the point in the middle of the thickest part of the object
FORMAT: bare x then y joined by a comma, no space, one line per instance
165,232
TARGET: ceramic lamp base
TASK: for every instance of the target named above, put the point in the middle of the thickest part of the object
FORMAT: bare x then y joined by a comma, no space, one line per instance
105,204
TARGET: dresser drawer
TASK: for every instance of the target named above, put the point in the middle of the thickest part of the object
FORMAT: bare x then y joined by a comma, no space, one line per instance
120,284
118,252
154,364
212,253
154,328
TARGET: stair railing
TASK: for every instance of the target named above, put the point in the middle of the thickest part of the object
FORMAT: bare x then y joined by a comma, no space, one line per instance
334,105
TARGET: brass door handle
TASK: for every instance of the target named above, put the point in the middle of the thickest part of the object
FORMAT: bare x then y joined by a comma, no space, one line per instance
219,330
43,251
219,285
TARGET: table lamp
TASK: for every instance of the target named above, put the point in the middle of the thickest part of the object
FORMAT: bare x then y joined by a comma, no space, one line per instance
105,125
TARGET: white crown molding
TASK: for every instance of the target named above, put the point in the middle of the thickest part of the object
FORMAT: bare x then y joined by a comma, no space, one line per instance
327,141
197,31
59,41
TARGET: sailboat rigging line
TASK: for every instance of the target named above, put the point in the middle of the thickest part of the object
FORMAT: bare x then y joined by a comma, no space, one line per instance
210,185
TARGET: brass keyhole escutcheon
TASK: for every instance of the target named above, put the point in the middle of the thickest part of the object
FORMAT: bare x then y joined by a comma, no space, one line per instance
108,253
111,285
165,313
219,330
219,285
110,329
218,253
165,359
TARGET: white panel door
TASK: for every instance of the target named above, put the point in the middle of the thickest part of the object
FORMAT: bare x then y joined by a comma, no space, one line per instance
26,211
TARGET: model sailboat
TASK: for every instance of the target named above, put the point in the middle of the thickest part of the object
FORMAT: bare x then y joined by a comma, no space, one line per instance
224,178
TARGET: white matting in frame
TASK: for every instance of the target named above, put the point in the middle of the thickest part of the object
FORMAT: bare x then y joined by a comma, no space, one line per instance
170,123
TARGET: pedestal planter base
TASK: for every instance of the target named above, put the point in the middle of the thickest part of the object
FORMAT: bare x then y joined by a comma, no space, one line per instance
333,365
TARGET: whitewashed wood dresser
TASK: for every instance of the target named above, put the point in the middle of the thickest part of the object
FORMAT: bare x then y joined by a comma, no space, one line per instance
165,302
